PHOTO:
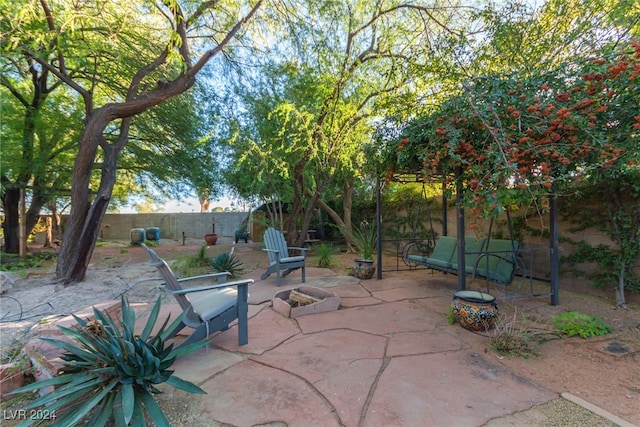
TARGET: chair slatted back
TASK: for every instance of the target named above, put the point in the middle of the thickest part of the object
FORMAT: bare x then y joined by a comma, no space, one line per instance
171,281
274,240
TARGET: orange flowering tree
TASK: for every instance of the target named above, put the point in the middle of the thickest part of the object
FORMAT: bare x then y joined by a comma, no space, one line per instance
535,134
523,139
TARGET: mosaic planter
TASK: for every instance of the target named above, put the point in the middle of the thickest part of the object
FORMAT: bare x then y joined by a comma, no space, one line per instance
363,269
475,311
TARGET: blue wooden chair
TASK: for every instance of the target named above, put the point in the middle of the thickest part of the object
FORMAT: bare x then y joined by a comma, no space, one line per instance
280,257
209,308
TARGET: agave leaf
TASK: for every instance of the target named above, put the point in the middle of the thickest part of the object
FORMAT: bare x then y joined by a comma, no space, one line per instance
68,389
118,413
138,415
151,321
185,385
80,321
128,314
165,334
70,348
189,348
78,413
46,383
166,363
161,331
128,399
103,413
153,409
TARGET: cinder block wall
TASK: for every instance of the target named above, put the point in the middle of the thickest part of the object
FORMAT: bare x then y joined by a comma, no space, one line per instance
171,225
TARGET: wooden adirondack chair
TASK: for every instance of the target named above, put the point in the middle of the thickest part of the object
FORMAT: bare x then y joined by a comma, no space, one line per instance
280,257
209,308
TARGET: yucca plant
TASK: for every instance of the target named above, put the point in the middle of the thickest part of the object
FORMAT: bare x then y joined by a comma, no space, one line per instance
366,238
325,251
110,373
226,262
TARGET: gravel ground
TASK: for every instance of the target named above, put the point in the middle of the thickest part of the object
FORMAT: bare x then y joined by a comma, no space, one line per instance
556,413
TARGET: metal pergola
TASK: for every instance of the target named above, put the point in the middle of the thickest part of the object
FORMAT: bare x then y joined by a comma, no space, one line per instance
460,228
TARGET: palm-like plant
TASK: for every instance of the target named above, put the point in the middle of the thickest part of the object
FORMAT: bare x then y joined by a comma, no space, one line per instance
226,262
111,373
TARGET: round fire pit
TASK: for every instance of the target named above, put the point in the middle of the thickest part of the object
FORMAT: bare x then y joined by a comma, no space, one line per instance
474,310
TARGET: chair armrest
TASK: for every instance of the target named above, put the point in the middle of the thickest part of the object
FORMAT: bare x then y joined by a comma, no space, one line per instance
211,287
271,250
205,276
298,249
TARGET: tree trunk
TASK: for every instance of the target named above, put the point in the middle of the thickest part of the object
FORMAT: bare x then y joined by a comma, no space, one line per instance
81,231
11,203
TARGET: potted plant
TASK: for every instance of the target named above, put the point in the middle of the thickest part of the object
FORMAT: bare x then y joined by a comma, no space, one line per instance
211,238
365,240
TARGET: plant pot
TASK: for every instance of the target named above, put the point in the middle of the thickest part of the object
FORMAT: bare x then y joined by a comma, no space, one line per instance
475,311
211,239
363,269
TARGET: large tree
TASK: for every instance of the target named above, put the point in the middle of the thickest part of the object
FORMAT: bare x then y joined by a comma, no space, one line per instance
310,116
140,53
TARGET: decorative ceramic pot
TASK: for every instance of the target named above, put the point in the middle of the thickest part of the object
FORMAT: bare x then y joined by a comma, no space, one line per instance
474,310
363,269
211,239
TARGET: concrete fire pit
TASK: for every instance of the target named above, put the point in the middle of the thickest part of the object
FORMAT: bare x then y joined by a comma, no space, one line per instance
305,300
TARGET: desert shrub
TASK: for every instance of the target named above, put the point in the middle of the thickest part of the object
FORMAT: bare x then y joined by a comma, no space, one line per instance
325,252
572,323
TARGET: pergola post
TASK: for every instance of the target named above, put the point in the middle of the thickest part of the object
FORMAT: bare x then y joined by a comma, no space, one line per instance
554,246
460,224
379,227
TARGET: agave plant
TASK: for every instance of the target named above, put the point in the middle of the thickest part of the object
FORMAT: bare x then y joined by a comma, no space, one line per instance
109,373
226,262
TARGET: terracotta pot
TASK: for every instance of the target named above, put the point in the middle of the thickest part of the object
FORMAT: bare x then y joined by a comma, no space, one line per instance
211,239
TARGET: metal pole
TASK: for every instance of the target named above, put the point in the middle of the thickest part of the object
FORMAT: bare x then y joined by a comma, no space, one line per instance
444,209
554,252
379,226
462,285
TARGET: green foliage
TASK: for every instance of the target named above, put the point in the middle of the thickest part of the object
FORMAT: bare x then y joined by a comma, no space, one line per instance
572,323
451,316
226,262
521,138
325,251
365,239
110,372
191,265
608,203
17,264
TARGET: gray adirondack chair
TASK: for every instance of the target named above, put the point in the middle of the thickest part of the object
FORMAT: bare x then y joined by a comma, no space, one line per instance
209,308
280,256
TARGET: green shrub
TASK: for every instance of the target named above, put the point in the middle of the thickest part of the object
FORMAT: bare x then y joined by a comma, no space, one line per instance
226,262
325,251
110,373
573,323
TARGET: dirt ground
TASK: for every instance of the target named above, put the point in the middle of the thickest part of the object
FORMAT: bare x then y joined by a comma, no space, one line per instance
604,371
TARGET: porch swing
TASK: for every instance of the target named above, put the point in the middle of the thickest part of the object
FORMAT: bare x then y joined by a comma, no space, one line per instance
492,260
421,246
